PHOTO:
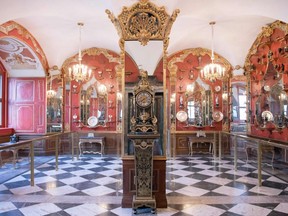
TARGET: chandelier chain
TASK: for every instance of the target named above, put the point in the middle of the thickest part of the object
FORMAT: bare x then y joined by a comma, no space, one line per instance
212,71
80,72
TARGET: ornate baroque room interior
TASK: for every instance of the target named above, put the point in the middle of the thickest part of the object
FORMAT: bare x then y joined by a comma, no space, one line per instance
143,107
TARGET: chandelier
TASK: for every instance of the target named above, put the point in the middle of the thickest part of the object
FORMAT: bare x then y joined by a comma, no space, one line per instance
212,71
80,72
51,93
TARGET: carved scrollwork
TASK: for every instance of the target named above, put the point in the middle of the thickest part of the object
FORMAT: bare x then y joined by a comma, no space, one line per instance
143,21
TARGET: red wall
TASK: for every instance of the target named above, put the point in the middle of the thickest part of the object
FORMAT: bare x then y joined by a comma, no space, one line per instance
257,64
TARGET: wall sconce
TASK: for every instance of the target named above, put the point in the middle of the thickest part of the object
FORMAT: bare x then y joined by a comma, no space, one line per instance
282,96
102,89
100,74
119,96
189,88
111,89
173,98
225,96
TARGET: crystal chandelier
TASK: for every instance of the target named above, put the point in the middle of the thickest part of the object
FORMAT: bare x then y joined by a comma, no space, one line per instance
80,72
213,71
51,93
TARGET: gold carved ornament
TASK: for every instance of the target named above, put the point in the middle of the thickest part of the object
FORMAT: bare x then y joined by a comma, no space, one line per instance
93,52
266,32
173,68
143,21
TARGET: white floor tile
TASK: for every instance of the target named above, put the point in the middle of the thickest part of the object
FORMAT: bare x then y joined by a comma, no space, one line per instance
98,191
26,190
3,187
219,181
238,172
177,166
110,172
106,180
282,207
86,210
274,179
82,172
54,172
192,191
197,161
181,172
44,179
18,178
89,166
203,166
73,180
122,211
248,180
40,209
201,210
209,172
6,206
249,210
61,190
186,181
266,190
114,166
229,191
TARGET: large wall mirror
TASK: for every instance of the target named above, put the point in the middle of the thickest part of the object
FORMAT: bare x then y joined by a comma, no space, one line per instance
54,103
271,104
199,107
93,103
146,58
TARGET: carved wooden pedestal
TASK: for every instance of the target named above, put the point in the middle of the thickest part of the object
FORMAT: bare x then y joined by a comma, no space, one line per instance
143,157
158,182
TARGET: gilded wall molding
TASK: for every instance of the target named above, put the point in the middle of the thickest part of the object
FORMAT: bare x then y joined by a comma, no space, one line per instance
266,32
172,67
92,52
143,21
240,78
9,26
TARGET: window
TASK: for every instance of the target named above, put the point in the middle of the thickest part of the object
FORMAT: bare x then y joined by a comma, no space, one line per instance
191,111
242,107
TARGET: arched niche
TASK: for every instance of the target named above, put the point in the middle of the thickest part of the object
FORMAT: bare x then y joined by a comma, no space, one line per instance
100,93
184,72
266,70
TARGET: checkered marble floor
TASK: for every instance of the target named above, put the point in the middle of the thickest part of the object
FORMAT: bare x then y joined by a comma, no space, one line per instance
197,185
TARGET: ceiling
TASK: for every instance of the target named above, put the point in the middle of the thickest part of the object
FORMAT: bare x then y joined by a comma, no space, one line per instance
53,24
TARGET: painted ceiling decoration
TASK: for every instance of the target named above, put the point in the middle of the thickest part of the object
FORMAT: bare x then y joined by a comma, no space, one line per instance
19,50
16,55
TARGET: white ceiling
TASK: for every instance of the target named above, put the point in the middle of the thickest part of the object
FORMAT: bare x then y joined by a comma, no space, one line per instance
54,24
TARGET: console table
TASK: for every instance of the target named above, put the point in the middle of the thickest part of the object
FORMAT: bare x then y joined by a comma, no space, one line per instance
194,139
92,140
14,150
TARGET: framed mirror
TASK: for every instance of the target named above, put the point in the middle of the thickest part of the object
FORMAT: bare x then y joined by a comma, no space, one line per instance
93,100
146,59
199,107
54,103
